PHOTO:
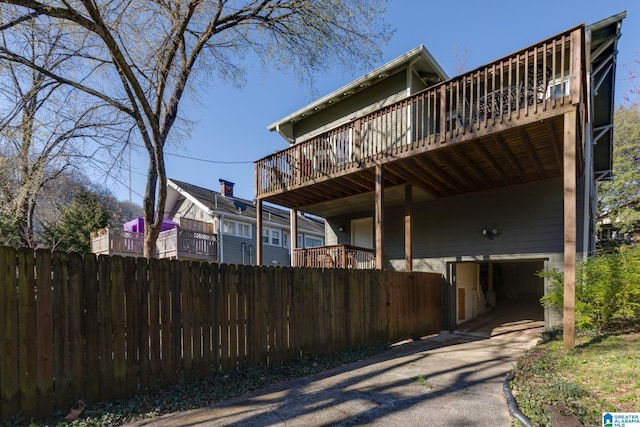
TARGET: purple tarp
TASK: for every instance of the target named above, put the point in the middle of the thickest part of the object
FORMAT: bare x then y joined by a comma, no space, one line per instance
137,225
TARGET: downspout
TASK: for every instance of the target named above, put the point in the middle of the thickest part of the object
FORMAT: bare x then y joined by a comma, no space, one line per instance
220,238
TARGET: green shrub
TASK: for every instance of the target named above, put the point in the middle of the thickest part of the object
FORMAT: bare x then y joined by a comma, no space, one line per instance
607,288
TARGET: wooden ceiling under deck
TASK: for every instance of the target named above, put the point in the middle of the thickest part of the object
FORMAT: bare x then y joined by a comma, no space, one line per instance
518,155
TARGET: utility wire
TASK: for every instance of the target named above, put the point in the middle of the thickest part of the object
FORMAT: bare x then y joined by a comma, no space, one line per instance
201,160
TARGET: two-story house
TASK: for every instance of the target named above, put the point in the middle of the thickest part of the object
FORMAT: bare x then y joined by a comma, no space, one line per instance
206,225
487,177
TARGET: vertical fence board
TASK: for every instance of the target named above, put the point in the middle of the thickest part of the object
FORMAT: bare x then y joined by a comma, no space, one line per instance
90,292
164,297
61,364
132,307
46,397
187,317
197,329
205,318
142,334
118,313
270,308
175,369
265,314
342,321
279,304
155,367
353,309
10,384
291,298
27,333
214,280
233,316
223,311
105,328
78,365
242,316
258,333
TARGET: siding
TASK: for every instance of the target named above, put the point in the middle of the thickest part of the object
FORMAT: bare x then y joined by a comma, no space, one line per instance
232,248
529,219
376,94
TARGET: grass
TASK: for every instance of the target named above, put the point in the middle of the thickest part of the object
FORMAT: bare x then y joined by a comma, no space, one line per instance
602,374
191,395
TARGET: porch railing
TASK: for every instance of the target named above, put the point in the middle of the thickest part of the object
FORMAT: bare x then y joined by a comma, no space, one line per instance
534,80
112,241
179,243
335,256
174,243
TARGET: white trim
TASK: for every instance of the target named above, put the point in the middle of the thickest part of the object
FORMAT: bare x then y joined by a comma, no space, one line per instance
188,196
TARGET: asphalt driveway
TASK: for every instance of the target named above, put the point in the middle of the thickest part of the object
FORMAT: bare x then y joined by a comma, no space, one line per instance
451,379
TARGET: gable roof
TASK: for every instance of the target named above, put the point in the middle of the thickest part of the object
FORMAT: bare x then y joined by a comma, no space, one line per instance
419,59
238,207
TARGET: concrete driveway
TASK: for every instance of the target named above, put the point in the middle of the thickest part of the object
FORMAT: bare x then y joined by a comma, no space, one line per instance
452,379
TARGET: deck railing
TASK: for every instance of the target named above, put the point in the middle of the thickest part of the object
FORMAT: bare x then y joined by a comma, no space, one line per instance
335,256
174,243
179,243
114,241
516,87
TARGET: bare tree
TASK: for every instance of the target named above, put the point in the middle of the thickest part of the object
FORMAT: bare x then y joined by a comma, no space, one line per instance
43,122
150,52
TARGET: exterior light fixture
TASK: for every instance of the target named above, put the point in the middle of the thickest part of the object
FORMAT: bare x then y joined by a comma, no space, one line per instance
490,232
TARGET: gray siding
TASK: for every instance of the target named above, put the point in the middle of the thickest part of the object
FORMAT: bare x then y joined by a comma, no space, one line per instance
529,219
234,247
275,255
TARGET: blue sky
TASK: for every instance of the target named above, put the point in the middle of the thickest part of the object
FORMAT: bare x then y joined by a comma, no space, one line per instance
230,124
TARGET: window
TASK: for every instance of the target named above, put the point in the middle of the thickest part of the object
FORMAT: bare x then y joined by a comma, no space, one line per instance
234,228
228,227
312,241
244,230
558,88
271,237
286,239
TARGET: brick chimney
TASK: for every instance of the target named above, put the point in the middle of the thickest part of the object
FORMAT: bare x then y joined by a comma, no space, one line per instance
226,188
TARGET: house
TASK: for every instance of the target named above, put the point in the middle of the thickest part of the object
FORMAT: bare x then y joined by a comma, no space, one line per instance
488,177
202,224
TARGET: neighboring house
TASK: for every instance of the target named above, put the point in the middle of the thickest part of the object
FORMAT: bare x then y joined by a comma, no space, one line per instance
609,232
488,177
202,224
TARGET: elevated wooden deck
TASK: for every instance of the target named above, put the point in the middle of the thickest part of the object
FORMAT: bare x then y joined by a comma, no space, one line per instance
176,243
498,125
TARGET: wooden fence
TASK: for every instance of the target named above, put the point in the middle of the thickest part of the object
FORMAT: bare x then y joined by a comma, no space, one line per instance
101,328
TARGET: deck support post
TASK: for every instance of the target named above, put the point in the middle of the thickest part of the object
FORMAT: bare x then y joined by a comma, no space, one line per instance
379,216
293,235
570,231
408,212
259,232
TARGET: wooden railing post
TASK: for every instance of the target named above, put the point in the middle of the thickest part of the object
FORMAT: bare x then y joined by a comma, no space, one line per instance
443,114
576,66
357,128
